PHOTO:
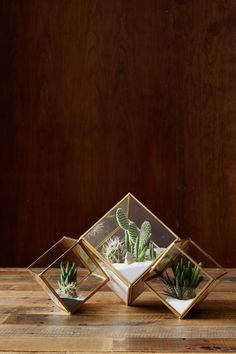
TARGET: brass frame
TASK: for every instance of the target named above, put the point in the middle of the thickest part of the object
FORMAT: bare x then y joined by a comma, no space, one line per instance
203,292
50,290
94,249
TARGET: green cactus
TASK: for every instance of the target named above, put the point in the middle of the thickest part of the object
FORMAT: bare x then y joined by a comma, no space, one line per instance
133,232
152,252
122,219
137,242
185,280
68,279
145,234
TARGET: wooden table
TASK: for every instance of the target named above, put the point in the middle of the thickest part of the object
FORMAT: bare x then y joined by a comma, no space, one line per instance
31,323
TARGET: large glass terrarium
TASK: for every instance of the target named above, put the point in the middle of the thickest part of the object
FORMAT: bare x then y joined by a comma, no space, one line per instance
184,276
68,274
126,243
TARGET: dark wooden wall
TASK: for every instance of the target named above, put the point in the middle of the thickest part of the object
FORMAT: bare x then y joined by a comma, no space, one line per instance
99,98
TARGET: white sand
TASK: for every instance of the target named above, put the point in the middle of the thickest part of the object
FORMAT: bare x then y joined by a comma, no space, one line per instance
179,305
131,271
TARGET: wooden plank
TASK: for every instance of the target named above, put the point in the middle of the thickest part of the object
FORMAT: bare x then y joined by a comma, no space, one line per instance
29,322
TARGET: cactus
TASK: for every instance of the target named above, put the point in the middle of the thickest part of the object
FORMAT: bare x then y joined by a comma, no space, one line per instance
122,219
152,252
67,283
137,241
114,250
145,234
184,282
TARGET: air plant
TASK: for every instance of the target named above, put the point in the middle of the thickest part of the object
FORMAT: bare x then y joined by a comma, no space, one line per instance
186,278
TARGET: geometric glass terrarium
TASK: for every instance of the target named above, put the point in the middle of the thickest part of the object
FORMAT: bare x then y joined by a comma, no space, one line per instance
126,242
184,276
68,274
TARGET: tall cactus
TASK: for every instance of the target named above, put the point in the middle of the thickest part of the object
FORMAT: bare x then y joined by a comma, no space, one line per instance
137,242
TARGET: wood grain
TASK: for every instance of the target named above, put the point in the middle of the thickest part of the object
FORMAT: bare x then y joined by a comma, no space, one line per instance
102,97
29,322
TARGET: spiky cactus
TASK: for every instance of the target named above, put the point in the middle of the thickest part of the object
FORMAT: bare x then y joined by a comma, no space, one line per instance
68,279
114,250
184,282
137,241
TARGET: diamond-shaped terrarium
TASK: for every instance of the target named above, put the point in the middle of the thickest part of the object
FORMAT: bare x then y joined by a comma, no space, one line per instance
184,276
126,243
68,274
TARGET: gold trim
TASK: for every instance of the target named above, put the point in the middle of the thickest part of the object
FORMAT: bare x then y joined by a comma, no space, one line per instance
198,297
112,233
97,222
93,260
108,264
224,271
49,249
155,217
210,280
48,285
61,256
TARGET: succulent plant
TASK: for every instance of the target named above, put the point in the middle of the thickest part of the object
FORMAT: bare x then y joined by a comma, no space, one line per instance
114,250
185,280
137,241
68,279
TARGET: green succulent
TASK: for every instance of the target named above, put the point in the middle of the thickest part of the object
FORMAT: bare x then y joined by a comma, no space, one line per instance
137,242
186,278
68,279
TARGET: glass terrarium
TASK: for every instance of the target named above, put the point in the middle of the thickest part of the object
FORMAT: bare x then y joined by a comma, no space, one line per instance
68,274
184,276
126,243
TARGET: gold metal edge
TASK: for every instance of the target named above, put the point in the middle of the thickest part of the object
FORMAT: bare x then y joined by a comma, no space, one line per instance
95,262
107,213
107,237
224,271
62,255
49,249
162,300
161,222
194,262
198,297
53,292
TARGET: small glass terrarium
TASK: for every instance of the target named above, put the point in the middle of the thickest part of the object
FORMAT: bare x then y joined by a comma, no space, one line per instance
184,276
126,242
68,274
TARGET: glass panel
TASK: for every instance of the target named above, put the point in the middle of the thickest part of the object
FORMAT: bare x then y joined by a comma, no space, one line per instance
68,274
52,254
105,227
137,290
212,268
71,279
178,280
116,284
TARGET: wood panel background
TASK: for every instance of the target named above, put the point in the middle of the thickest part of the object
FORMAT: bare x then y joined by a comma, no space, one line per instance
99,98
